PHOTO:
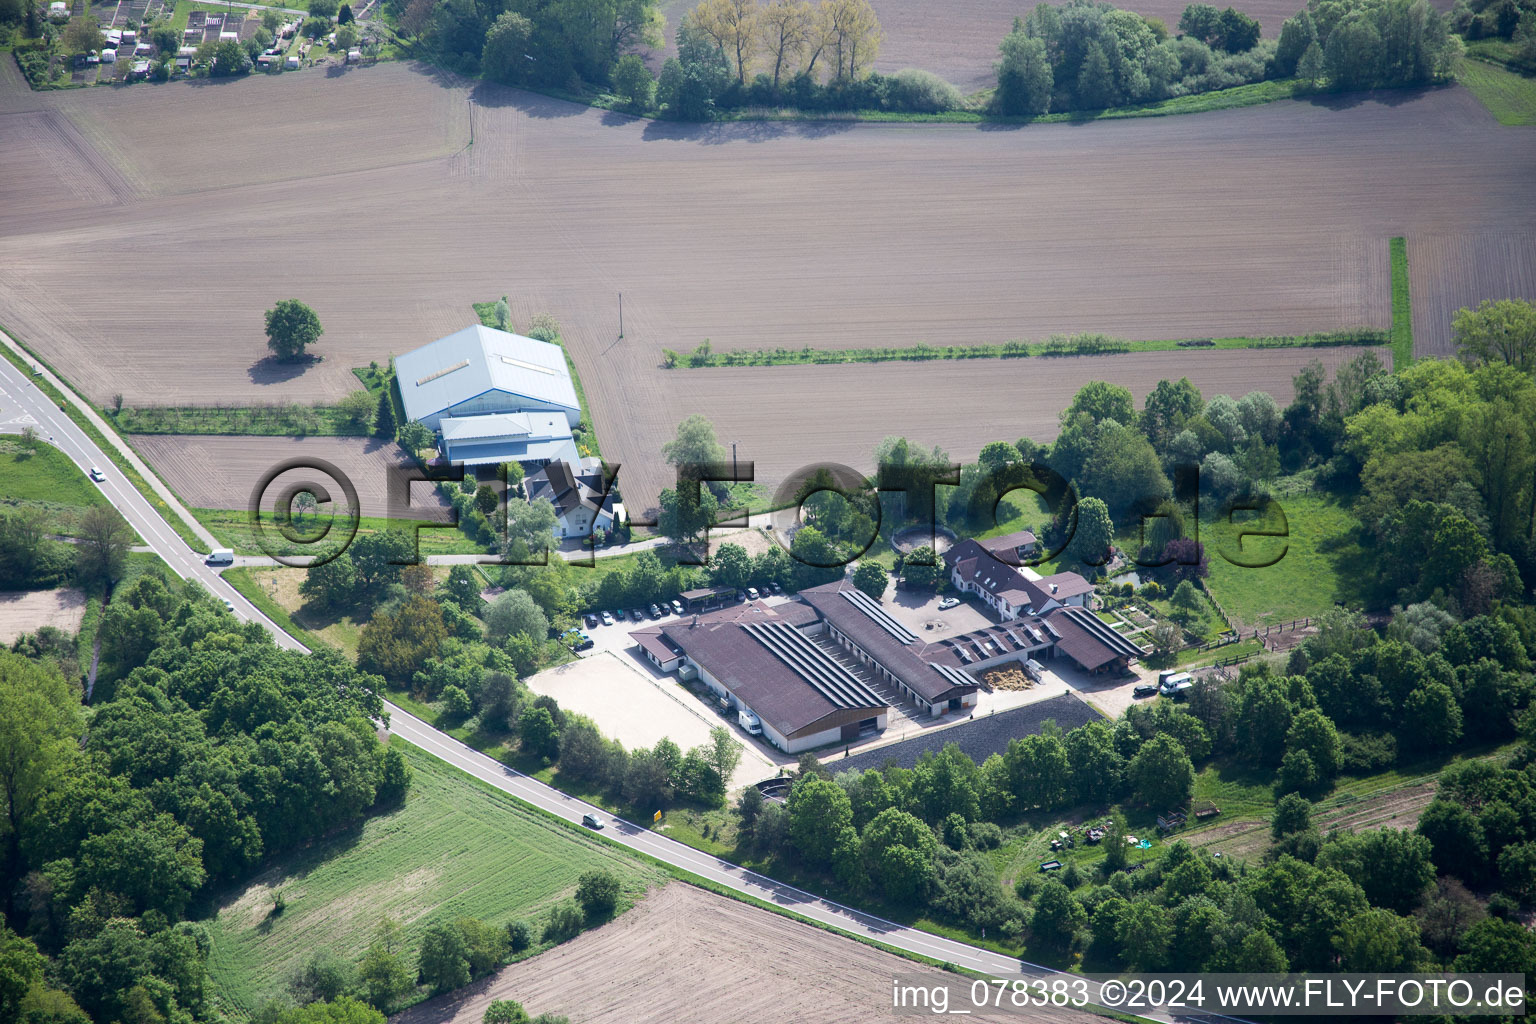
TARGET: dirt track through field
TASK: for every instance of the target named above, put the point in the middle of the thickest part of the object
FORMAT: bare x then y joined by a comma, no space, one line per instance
685,954
356,194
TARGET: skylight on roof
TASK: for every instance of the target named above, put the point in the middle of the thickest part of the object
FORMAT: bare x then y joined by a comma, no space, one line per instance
445,371
521,365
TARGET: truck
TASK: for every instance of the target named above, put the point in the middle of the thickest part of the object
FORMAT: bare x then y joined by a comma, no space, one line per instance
1175,684
220,556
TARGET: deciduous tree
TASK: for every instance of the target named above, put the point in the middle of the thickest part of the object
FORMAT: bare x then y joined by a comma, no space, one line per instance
291,325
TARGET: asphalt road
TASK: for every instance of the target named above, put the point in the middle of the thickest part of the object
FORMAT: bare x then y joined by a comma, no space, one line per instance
22,404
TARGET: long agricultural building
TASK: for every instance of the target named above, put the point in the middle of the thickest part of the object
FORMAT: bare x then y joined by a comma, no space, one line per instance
826,668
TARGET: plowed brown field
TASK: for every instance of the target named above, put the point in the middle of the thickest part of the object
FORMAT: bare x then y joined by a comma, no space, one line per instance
221,472
198,206
685,954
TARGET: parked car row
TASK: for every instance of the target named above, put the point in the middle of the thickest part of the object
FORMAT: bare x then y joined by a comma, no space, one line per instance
662,609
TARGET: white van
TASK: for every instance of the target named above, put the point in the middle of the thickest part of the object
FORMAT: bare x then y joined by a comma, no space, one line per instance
1177,683
220,556
750,722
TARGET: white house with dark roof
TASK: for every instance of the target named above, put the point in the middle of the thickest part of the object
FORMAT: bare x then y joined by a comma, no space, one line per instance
492,396
584,497
1012,593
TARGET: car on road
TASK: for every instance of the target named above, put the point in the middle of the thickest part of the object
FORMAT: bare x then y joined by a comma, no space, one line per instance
655,610
97,475
229,606
948,603
677,606
751,593
1145,690
590,820
607,618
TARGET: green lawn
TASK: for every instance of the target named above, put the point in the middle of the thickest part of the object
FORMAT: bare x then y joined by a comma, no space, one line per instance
1510,97
1318,563
457,848
44,476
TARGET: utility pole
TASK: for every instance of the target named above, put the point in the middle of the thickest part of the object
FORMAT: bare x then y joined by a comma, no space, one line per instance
621,314
733,461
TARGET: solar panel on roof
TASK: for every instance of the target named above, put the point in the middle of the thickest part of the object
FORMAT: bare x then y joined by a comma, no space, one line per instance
864,603
957,676
829,678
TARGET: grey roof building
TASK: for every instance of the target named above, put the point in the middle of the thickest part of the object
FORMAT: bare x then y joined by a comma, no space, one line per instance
480,371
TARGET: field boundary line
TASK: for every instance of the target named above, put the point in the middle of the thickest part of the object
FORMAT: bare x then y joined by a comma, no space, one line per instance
160,489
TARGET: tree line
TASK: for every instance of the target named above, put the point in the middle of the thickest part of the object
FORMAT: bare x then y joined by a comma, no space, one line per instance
204,748
916,838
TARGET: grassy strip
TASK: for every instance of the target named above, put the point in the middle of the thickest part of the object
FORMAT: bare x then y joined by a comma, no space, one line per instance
1249,95
236,529
241,580
1402,308
587,444
1075,345
1509,97
119,460
265,421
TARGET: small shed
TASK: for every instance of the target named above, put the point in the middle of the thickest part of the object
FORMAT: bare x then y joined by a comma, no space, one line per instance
187,51
114,39
191,33
109,56
353,56
58,7
229,37
140,68
130,36
143,50
183,65
293,63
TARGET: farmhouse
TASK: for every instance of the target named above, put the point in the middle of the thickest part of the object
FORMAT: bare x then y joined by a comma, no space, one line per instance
1011,592
583,495
493,397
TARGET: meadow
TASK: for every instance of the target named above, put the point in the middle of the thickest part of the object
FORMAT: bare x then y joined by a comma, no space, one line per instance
456,848
1317,564
1509,96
